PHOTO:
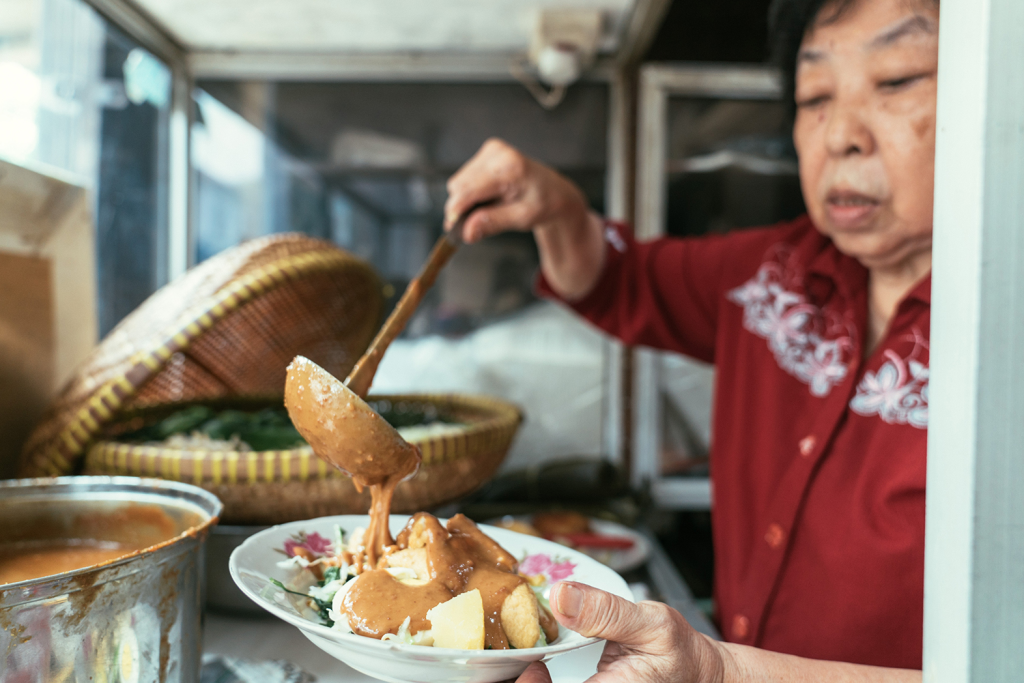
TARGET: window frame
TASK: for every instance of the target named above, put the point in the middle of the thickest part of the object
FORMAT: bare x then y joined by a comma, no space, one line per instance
658,83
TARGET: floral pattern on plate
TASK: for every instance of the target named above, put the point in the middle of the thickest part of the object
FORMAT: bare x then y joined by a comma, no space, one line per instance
313,543
551,569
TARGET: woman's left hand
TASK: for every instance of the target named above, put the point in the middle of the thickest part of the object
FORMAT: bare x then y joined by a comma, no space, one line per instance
648,642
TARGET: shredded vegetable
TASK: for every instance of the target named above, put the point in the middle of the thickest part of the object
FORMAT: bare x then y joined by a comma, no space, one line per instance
425,638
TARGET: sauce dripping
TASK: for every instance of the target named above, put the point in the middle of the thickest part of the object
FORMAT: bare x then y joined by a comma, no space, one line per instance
347,433
344,431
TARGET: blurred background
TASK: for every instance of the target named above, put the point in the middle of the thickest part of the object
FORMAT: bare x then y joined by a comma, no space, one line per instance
192,126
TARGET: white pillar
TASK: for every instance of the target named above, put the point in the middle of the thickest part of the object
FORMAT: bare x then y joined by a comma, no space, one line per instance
974,543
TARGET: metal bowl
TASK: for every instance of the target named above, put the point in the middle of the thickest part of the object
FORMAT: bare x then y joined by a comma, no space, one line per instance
136,618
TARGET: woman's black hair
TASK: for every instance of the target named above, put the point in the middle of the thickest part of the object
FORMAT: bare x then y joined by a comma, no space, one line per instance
788,23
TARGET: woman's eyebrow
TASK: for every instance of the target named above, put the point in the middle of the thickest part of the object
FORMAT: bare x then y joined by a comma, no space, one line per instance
809,56
917,24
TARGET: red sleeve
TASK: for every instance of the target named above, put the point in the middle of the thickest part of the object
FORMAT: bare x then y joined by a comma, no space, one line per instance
665,293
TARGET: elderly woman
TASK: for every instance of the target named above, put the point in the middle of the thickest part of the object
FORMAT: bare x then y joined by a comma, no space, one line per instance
819,329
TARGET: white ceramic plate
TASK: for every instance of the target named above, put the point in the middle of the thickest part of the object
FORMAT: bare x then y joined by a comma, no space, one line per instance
254,562
619,560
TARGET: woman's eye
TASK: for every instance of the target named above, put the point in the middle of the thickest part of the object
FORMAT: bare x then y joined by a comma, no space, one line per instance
811,102
899,83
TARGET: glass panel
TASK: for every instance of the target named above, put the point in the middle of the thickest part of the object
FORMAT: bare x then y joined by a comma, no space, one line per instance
78,96
228,157
50,70
731,164
365,165
131,211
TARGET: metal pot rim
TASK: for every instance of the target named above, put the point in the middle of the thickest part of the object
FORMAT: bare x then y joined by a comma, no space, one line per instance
86,487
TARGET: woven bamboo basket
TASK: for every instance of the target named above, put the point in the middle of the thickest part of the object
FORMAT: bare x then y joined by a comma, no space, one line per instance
272,487
228,327
225,332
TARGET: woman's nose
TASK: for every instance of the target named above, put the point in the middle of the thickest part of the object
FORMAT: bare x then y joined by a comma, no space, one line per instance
847,132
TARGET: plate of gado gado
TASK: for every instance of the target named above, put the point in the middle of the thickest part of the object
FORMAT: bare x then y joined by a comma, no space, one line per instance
404,599
446,601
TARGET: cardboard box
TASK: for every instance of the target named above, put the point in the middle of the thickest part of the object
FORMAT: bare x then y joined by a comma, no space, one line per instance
47,295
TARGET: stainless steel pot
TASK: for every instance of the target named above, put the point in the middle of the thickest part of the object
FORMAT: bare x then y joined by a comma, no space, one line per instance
135,619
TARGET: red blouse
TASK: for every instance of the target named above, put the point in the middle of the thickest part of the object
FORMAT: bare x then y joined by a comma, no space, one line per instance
818,464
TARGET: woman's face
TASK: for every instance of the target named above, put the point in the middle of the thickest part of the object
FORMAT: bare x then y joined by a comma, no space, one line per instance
865,127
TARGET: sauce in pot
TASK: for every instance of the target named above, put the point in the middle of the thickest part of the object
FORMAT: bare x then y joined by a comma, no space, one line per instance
25,561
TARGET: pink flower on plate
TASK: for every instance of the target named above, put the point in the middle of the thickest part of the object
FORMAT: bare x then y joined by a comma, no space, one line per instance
541,564
532,565
314,543
561,570
317,543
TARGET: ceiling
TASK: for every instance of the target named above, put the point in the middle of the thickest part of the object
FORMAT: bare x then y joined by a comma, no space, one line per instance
369,26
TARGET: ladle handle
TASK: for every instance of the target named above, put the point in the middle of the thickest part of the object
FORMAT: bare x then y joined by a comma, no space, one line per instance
361,377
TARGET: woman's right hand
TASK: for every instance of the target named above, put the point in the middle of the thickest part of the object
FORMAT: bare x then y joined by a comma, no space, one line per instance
648,642
528,195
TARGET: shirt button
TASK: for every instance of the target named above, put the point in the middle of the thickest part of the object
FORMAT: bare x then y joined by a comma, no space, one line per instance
807,445
774,536
740,627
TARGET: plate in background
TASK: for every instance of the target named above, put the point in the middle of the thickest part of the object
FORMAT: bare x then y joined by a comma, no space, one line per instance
620,560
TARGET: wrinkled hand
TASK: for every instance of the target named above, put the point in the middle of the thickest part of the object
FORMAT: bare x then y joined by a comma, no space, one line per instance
647,642
529,194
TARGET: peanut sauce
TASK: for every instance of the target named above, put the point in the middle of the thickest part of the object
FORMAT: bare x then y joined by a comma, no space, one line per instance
460,558
33,560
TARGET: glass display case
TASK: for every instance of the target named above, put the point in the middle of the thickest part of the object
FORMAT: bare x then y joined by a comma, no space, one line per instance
715,154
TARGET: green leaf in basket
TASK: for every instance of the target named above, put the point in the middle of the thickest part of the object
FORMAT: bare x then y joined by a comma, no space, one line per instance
266,430
271,429
183,421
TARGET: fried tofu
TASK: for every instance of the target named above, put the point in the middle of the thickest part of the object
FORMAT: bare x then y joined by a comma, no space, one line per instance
519,618
548,623
411,558
418,535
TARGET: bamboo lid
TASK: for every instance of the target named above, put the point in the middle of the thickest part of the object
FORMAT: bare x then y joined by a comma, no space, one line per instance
228,327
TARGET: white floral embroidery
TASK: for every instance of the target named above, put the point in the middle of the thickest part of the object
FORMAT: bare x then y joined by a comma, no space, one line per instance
897,393
794,328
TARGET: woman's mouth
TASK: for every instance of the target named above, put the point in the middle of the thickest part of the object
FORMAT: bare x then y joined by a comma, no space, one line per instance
848,210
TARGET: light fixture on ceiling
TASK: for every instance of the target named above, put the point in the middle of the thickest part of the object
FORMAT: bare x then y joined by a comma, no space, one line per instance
564,44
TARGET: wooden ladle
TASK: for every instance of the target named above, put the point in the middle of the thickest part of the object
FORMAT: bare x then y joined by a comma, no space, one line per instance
334,417
361,377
